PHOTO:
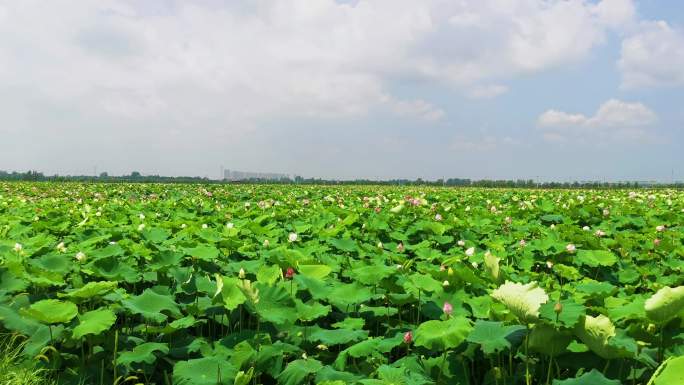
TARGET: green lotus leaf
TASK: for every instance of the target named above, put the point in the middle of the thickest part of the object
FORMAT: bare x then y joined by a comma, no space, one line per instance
523,301
204,371
314,271
592,378
91,289
94,322
442,335
665,304
52,311
492,336
151,304
548,340
269,275
297,371
670,372
142,353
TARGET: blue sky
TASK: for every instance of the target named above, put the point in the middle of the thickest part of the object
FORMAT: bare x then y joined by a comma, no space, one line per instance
544,89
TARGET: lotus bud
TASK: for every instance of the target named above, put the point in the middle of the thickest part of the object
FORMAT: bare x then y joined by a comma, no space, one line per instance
656,242
205,226
522,243
266,243
408,337
570,248
447,308
241,274
660,228
61,248
141,227
450,271
558,307
230,225
438,217
380,245
461,243
400,247
292,237
445,283
18,247
470,251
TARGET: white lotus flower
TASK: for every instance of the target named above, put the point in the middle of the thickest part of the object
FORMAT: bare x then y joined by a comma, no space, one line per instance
205,226
461,243
606,212
61,247
230,225
80,256
660,228
438,217
522,243
570,248
445,283
380,245
183,226
292,237
470,251
18,247
141,216
586,228
141,227
266,243
523,301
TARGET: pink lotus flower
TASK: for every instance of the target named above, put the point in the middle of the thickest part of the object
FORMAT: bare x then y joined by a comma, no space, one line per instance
377,209
408,337
656,242
289,273
447,308
438,217
522,243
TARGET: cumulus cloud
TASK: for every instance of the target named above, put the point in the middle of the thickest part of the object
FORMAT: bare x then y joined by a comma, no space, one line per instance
615,118
653,56
486,91
205,78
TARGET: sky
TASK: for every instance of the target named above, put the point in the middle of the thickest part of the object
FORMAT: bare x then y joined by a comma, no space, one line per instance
495,89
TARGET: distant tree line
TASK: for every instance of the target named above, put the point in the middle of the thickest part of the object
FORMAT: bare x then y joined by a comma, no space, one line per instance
137,177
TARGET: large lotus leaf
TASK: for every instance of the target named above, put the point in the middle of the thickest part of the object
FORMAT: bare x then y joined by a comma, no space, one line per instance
317,288
231,294
372,274
571,313
670,372
424,283
665,304
10,283
595,258
548,340
369,347
204,371
52,311
337,336
156,235
345,295
623,308
142,353
344,244
297,371
442,335
203,252
91,289
276,305
94,322
165,258
311,310
114,269
592,378
492,336
314,271
151,304
269,275
596,333
523,301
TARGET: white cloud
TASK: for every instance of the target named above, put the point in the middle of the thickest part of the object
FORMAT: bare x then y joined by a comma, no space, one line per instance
614,118
416,108
486,91
653,56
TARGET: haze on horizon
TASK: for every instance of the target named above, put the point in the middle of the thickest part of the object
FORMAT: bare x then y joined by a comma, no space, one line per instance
543,89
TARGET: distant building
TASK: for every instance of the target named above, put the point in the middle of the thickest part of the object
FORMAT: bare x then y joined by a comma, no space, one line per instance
234,175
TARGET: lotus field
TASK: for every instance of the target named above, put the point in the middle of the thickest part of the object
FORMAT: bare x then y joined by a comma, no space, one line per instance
255,284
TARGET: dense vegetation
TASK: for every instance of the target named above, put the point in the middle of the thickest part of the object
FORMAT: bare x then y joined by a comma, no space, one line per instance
223,284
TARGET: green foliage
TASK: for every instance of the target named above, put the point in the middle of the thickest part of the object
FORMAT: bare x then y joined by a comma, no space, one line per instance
214,289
